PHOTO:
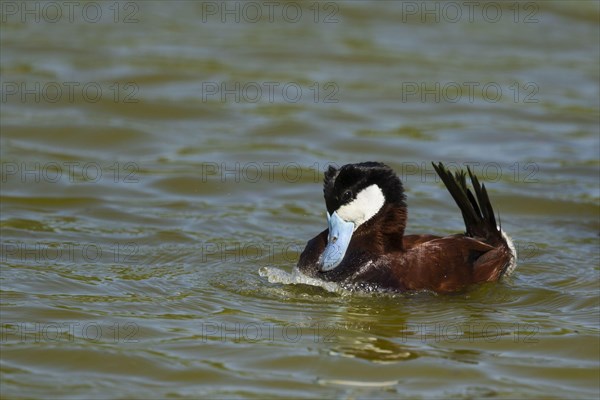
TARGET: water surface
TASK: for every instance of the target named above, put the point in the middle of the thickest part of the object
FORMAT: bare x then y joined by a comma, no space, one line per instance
154,160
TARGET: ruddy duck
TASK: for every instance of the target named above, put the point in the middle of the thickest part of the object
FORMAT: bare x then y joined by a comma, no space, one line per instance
365,247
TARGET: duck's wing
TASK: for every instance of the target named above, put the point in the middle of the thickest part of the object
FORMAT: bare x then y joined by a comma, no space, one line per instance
449,263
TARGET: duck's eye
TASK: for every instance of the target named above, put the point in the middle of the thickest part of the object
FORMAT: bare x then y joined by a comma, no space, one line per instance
347,195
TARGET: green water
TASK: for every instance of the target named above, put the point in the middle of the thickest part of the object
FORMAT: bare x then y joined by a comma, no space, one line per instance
155,155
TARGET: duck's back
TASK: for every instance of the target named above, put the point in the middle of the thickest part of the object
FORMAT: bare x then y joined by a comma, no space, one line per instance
447,264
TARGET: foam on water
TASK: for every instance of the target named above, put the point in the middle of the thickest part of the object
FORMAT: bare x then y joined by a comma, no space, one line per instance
275,275
361,384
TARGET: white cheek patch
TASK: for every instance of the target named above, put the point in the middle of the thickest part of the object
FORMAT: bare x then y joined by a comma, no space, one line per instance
366,204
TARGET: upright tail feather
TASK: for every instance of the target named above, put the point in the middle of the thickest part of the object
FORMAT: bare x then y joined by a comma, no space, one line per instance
477,210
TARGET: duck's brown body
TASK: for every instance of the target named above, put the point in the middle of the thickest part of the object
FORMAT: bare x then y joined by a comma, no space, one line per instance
380,256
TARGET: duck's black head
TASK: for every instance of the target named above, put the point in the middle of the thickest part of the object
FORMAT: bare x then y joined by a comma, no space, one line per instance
366,200
342,186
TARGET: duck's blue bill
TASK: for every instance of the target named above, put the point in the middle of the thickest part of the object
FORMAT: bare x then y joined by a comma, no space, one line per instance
340,233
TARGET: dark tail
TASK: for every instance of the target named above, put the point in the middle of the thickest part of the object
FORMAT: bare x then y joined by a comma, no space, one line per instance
476,210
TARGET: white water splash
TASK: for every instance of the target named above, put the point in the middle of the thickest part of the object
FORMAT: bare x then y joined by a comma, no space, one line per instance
275,275
513,253
362,384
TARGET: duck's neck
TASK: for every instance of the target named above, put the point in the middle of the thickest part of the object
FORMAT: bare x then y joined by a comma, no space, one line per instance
387,229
